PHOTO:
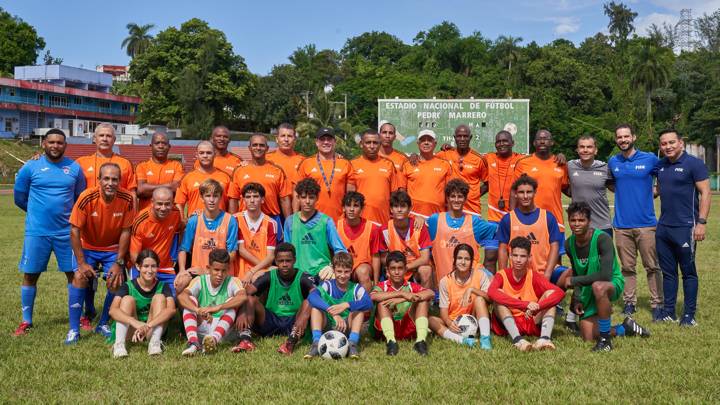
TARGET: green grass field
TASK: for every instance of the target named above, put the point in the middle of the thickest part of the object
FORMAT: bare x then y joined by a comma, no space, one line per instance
674,365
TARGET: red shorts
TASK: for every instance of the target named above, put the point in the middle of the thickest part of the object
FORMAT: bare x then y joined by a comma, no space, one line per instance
526,327
404,328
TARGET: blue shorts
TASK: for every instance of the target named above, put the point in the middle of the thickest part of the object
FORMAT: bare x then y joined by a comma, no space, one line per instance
275,325
95,257
490,244
166,278
557,272
561,253
37,249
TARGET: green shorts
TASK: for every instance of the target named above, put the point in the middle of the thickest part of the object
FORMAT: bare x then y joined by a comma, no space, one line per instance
588,298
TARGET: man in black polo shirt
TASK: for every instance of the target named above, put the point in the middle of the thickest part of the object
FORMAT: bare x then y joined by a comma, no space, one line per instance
684,206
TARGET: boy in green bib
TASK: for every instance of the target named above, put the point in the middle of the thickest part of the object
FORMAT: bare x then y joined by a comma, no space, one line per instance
340,304
210,303
142,306
313,233
278,299
596,279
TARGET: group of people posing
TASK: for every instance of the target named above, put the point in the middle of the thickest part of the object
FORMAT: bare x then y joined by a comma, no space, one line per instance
281,242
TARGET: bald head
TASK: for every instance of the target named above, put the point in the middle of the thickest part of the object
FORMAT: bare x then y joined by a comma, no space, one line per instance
205,155
162,202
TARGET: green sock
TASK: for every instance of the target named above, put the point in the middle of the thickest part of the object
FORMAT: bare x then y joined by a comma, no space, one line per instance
388,329
421,328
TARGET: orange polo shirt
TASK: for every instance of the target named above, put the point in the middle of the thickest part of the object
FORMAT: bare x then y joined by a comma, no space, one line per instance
270,176
375,180
552,179
470,168
91,164
152,172
426,184
100,222
330,198
189,191
226,163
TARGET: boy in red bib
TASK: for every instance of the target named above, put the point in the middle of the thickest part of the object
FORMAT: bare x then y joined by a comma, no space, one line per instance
524,300
402,306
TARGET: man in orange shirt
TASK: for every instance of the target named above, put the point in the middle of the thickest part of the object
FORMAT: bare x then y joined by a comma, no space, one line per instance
330,171
363,240
278,194
426,180
224,159
375,178
387,137
468,166
104,138
189,191
158,171
285,155
551,176
499,176
100,234
158,228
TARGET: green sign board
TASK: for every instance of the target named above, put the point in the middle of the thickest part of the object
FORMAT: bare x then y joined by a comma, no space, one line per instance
484,116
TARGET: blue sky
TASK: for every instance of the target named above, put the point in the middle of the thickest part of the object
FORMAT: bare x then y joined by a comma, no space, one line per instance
265,33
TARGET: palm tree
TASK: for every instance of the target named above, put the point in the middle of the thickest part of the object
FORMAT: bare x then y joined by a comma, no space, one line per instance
508,52
650,72
138,39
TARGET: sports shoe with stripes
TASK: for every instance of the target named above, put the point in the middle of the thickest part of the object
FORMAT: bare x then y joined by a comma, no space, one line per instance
603,345
668,319
688,321
632,328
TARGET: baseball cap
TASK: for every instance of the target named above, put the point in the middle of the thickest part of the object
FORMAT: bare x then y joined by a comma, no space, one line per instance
324,131
427,132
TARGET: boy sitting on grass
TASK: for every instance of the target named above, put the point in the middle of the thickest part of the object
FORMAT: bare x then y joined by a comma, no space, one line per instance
340,304
212,298
402,306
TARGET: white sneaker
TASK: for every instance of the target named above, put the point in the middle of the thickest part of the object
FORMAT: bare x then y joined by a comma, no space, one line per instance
543,344
209,344
155,347
191,350
523,345
119,350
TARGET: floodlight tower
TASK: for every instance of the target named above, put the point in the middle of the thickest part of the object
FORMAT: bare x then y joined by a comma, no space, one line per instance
684,31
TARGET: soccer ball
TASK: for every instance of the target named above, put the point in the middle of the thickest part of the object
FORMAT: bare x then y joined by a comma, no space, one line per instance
333,345
468,325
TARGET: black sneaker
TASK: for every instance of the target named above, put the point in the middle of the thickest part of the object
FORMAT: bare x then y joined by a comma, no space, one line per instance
392,348
629,309
657,314
353,351
633,329
603,345
573,327
313,352
421,348
688,321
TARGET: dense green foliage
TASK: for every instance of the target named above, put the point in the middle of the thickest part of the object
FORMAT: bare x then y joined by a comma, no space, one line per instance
20,44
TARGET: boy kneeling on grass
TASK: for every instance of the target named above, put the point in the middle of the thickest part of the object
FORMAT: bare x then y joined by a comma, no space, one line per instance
142,306
212,298
340,304
402,306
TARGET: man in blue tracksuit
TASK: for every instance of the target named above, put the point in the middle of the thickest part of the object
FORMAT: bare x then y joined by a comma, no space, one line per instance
684,206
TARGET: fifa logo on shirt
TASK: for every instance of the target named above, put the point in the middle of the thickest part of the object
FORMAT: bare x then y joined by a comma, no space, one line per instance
307,240
679,169
639,167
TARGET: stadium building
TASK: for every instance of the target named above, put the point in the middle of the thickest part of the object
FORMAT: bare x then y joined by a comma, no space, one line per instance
57,96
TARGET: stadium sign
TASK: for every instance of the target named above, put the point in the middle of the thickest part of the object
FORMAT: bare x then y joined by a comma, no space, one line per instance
484,116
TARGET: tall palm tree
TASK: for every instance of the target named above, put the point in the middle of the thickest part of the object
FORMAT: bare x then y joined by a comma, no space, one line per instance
508,52
138,39
650,72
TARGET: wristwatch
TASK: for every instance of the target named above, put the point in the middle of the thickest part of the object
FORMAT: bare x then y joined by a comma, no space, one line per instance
120,262
702,221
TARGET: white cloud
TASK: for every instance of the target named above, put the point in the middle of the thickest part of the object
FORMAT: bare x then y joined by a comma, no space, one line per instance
565,25
698,6
644,22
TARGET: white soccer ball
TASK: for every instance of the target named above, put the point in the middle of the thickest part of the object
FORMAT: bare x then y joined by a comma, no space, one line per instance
333,345
468,325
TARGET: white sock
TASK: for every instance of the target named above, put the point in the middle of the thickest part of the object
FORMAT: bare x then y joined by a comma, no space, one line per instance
156,334
120,332
453,336
484,324
547,326
571,316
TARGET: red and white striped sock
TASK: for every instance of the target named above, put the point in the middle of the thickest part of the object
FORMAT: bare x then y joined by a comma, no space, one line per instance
223,324
190,323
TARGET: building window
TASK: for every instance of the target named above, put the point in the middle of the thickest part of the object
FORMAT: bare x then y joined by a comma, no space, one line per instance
104,104
8,125
78,100
124,107
12,92
40,98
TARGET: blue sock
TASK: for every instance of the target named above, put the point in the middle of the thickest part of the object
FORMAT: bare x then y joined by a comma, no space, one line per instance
75,304
90,302
619,330
316,335
604,327
354,337
27,300
105,317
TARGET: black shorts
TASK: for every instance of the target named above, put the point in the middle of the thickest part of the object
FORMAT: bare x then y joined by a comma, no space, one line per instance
275,325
